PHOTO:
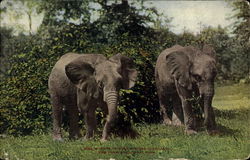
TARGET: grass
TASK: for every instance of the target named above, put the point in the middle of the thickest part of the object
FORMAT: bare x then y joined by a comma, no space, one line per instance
156,142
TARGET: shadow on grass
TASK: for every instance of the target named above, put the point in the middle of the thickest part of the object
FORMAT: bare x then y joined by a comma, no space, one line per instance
226,131
229,115
127,132
222,130
124,129
232,113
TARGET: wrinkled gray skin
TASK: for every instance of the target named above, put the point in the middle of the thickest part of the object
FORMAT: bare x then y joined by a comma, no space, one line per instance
181,72
83,82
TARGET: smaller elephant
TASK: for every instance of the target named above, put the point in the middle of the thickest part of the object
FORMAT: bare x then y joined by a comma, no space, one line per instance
83,82
180,73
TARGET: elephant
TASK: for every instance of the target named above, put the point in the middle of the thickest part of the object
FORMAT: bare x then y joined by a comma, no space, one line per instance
180,74
79,83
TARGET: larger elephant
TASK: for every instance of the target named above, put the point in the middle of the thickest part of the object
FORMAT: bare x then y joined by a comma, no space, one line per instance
83,82
182,72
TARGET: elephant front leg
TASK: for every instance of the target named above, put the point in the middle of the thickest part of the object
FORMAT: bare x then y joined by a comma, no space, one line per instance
90,122
74,131
209,116
112,109
189,119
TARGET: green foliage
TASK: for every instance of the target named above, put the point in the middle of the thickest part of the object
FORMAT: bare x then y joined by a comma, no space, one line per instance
24,104
186,39
241,33
62,12
5,47
241,27
196,106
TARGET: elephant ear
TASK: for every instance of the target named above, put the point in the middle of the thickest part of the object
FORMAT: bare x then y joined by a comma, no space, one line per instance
82,75
179,65
209,50
127,70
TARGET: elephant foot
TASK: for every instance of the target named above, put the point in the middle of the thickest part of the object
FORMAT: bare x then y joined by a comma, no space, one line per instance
84,139
190,132
213,132
88,137
177,122
167,122
74,137
58,139
103,140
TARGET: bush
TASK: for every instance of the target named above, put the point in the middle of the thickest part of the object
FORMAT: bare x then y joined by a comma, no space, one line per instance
25,103
24,98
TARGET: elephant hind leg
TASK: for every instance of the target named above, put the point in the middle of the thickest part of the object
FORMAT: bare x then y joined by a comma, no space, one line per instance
166,111
57,107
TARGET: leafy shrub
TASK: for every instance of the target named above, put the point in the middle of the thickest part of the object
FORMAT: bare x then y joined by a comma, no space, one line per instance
24,98
25,103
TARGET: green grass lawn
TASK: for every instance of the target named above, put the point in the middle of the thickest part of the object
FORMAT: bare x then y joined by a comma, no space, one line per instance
156,142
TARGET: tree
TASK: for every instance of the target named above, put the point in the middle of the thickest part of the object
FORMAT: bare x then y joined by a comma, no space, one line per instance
5,48
186,38
62,12
20,9
241,28
120,20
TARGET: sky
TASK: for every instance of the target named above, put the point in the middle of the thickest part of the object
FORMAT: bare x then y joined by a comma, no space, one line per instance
191,15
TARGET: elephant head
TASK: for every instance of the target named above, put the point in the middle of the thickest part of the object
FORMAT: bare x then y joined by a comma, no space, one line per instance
193,68
203,72
102,82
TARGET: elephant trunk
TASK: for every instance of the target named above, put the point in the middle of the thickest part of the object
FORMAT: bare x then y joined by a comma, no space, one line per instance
208,109
112,101
111,98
